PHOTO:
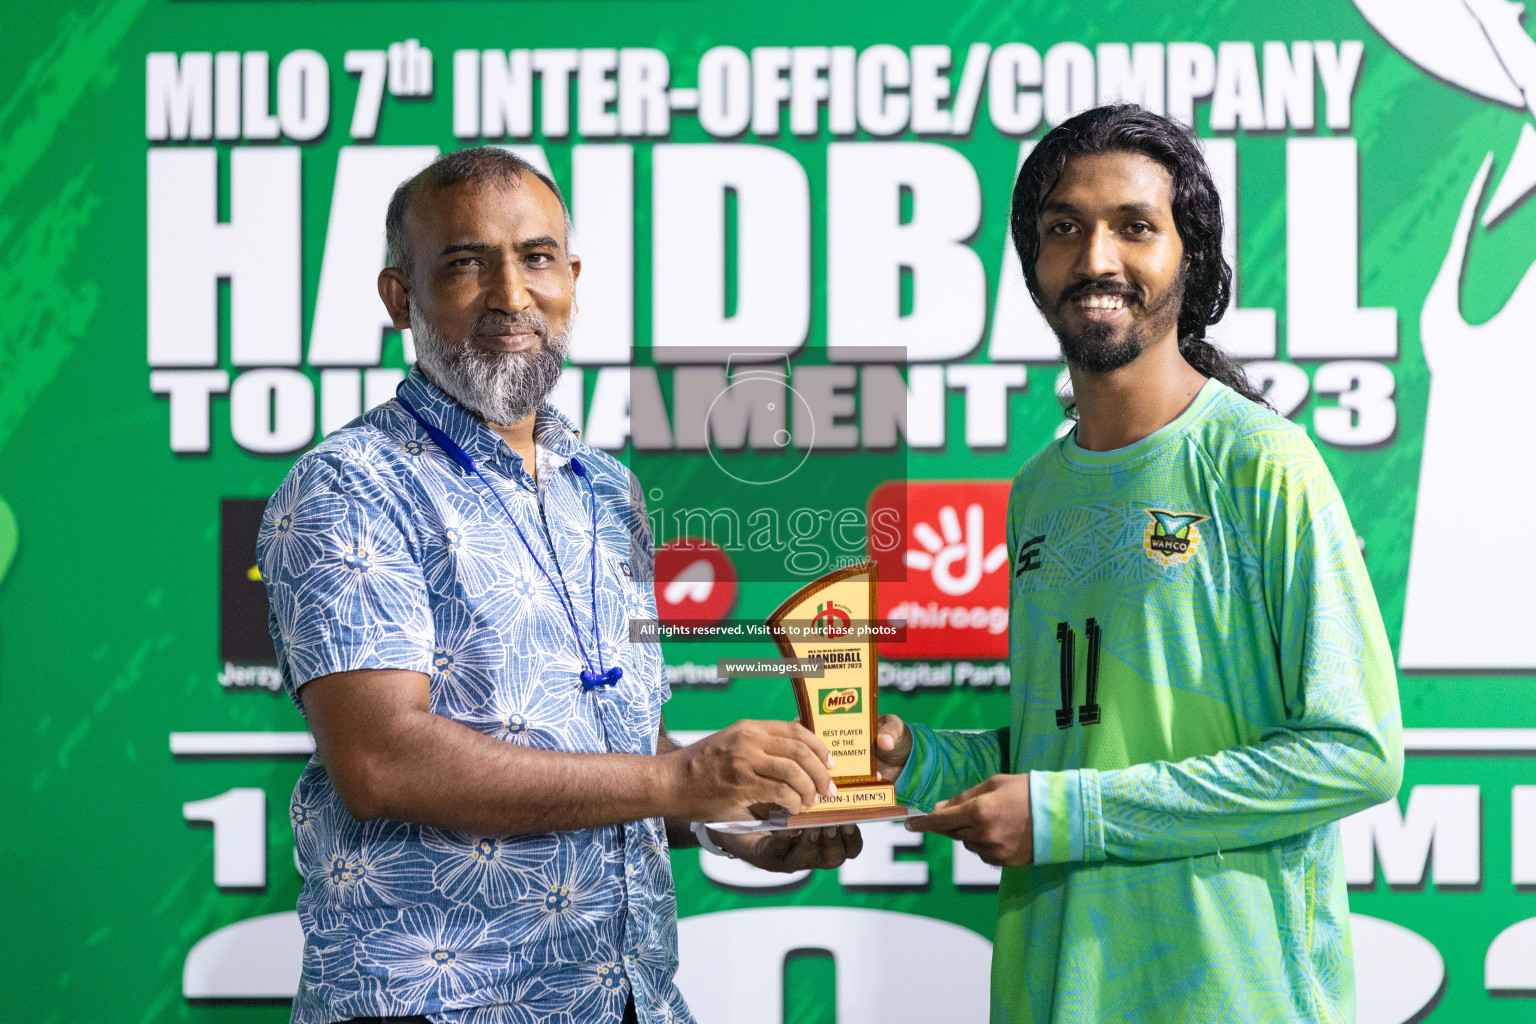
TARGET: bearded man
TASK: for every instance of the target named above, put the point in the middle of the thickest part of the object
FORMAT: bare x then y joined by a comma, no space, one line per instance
1202,685
484,829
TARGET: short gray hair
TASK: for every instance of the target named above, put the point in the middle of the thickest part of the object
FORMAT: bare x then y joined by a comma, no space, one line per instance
478,166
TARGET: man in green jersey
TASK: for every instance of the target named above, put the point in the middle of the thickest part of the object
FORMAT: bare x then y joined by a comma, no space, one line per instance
1202,686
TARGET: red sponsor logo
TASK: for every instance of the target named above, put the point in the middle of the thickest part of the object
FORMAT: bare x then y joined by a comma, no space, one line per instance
948,575
831,619
695,582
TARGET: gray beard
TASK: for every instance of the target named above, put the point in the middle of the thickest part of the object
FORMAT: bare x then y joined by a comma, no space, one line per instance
499,387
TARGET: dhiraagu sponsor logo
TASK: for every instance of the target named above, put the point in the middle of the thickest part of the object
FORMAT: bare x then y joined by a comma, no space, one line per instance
840,701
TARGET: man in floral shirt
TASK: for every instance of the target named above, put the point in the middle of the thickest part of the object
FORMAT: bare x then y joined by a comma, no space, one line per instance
484,830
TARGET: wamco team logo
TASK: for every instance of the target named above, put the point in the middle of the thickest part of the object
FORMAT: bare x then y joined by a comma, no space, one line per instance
1172,537
840,702
831,619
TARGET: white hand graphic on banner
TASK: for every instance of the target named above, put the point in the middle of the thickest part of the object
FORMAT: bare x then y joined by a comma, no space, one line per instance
1473,549
955,547
1479,46
1473,542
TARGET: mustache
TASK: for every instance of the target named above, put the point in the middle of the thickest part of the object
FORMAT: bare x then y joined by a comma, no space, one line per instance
488,322
1086,288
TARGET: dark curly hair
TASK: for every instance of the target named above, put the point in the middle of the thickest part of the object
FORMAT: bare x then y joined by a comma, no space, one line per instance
1127,128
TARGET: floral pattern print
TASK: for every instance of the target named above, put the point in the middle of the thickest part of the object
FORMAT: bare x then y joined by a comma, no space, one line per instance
380,552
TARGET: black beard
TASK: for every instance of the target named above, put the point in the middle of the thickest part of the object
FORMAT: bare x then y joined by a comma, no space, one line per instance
1094,349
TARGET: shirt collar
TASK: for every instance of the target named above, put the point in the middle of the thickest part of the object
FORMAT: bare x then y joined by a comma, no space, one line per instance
551,429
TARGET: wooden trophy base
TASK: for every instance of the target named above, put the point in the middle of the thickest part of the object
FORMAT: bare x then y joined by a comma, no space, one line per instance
853,802
834,816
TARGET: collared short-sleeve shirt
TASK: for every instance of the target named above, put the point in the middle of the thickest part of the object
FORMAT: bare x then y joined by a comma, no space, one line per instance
382,552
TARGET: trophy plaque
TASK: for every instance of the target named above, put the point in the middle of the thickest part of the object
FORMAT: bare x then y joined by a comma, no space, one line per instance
819,623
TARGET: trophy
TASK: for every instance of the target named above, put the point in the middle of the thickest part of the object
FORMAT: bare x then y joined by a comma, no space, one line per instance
820,624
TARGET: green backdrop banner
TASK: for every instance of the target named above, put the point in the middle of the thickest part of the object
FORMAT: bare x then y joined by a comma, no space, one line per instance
191,200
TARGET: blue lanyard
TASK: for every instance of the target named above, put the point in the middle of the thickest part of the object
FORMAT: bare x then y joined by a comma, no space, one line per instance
591,678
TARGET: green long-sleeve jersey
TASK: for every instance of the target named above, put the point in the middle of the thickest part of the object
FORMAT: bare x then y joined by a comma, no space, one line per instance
1201,688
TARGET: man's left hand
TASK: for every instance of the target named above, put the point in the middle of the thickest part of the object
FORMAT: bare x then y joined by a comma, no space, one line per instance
992,820
795,849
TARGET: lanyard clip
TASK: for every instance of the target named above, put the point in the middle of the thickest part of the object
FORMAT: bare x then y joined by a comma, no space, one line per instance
591,680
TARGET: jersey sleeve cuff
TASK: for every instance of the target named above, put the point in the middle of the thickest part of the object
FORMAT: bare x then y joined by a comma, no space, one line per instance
919,778
1065,814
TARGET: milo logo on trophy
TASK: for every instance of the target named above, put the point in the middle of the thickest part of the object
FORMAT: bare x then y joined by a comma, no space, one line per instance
820,624
839,702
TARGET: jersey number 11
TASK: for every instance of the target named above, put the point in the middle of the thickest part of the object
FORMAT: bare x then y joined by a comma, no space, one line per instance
1066,640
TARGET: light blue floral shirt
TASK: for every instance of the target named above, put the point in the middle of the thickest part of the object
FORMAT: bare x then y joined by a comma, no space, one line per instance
380,552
